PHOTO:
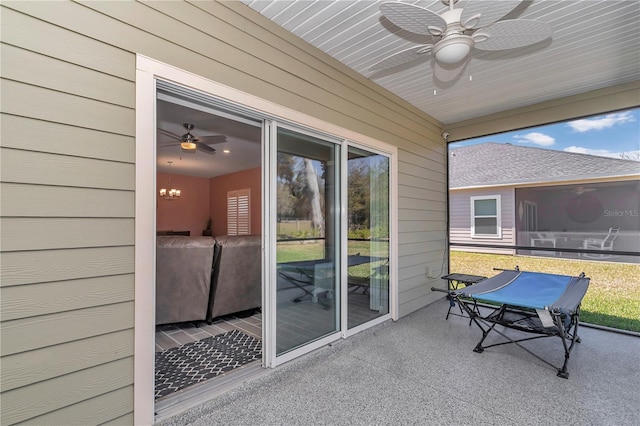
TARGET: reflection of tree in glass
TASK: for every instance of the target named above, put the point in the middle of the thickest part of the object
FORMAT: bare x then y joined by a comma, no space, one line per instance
299,191
358,194
317,218
364,172
285,191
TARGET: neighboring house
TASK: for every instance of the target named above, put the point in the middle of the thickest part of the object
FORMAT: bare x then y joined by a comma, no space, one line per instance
79,90
503,194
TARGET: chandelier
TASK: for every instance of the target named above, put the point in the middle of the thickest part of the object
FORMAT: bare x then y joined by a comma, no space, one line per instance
171,193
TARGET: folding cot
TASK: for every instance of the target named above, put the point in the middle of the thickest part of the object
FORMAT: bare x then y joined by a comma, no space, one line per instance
532,302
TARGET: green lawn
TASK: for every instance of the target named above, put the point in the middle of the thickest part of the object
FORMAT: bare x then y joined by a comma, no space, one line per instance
309,250
613,298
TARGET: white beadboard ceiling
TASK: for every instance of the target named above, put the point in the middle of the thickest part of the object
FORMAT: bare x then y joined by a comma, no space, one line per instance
595,44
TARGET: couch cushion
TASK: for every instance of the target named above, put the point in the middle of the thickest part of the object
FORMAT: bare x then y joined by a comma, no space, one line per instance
237,282
183,278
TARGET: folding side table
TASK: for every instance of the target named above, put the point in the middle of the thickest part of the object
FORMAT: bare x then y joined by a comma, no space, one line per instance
453,282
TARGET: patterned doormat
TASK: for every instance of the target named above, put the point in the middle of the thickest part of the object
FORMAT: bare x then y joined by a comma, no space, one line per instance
196,362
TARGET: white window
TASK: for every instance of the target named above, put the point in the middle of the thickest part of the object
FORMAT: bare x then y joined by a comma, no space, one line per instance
239,212
485,216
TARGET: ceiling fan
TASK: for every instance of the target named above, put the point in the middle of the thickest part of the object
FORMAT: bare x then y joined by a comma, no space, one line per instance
476,25
190,144
579,190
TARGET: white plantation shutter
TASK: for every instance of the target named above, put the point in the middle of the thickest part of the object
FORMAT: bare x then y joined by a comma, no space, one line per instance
244,227
232,214
239,212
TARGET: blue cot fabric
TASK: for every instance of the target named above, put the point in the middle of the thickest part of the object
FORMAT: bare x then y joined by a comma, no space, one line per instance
533,290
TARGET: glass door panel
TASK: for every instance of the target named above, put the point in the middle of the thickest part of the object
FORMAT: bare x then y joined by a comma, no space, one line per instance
368,236
307,248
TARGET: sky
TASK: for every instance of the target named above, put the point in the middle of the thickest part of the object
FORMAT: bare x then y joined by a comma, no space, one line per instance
607,135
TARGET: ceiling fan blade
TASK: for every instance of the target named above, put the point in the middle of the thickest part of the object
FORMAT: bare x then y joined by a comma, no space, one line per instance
477,14
413,18
168,133
402,57
512,34
213,139
205,148
168,143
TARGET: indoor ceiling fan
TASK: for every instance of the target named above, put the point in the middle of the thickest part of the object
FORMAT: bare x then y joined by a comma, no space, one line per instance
190,144
579,190
458,31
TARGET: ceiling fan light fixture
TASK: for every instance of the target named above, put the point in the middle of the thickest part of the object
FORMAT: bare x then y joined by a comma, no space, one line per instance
188,145
452,50
188,142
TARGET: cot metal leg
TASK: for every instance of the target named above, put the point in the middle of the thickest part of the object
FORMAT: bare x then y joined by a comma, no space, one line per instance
452,286
452,303
485,332
474,314
562,372
570,333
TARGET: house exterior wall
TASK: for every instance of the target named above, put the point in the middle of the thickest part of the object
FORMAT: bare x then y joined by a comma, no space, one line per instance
460,219
67,179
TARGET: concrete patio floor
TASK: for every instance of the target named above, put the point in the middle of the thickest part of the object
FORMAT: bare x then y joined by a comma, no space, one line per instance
422,370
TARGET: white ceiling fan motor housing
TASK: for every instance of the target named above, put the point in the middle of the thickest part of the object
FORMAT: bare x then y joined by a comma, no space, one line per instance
455,46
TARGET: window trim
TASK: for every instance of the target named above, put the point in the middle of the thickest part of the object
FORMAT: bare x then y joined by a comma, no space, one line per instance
498,216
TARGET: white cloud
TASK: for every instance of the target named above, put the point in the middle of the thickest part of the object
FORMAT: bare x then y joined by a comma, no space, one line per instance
610,120
602,152
535,138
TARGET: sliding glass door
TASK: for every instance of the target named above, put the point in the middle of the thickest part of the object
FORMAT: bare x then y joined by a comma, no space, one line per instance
367,236
307,302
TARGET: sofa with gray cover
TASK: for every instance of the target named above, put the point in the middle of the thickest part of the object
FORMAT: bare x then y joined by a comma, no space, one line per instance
201,278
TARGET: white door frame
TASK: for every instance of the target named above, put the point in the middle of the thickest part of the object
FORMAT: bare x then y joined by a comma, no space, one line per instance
148,71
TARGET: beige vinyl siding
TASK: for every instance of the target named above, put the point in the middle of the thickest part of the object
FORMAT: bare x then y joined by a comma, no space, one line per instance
26,134
422,228
460,219
78,386
65,358
100,410
37,233
67,179
67,207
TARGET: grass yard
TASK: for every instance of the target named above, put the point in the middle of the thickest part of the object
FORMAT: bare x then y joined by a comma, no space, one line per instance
314,249
613,298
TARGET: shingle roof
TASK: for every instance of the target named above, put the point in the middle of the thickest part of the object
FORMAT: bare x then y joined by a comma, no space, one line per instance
491,164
